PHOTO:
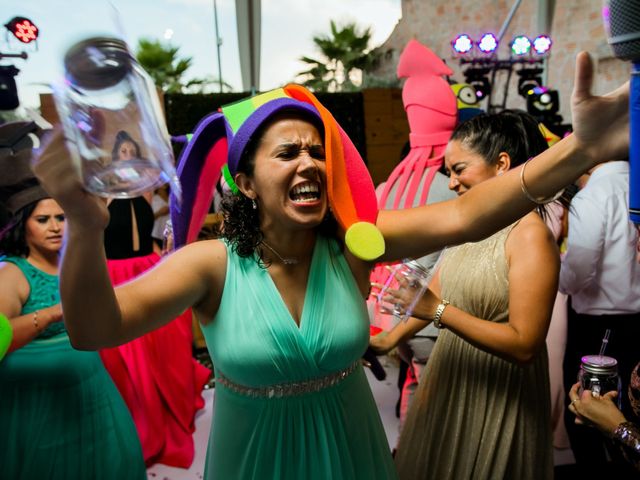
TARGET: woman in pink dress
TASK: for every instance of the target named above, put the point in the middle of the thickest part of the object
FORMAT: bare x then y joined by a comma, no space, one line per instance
156,374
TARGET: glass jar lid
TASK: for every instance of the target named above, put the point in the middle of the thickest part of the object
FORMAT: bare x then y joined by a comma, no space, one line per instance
599,364
97,63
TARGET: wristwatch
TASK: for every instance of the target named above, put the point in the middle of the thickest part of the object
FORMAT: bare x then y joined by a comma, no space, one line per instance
439,311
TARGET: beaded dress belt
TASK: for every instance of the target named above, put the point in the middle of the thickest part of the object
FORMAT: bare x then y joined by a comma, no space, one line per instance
280,390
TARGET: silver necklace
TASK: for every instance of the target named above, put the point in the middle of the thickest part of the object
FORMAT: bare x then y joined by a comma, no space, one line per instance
285,260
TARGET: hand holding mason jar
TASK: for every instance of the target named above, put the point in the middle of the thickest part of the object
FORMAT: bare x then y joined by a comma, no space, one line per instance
596,398
104,99
599,374
404,287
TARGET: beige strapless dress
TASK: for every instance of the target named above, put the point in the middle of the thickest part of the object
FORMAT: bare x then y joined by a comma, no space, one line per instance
475,415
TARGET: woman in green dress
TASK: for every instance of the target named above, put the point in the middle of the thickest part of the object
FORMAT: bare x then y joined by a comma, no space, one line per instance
61,415
280,298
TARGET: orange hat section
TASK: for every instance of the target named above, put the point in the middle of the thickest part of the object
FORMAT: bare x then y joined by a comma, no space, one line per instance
349,185
340,195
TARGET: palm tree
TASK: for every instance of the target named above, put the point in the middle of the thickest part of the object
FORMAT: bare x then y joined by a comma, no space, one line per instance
208,84
163,65
345,55
167,70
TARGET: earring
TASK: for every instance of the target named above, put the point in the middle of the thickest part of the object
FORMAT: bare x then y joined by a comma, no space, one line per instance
254,205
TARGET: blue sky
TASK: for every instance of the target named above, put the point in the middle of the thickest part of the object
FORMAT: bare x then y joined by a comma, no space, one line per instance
287,30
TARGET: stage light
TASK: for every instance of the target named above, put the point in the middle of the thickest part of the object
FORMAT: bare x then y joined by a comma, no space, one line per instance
542,102
462,44
23,29
8,91
520,46
530,78
542,44
477,78
482,88
488,43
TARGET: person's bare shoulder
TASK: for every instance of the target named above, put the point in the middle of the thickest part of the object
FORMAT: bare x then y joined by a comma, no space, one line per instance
529,234
208,260
15,288
10,275
209,257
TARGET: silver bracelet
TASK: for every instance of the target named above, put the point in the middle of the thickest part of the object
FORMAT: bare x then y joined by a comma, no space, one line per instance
537,201
439,311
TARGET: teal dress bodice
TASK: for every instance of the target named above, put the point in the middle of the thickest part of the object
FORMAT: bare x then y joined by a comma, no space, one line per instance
334,432
61,415
43,293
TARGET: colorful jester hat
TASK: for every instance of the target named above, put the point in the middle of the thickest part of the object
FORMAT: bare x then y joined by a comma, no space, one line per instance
220,139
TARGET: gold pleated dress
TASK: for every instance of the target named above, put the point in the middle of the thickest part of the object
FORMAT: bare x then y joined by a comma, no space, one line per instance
475,415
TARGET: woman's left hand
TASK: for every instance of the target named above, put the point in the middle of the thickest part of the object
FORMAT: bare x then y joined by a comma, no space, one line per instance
599,411
379,344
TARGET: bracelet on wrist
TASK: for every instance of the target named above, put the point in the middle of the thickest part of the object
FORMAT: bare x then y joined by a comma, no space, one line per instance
437,317
525,190
628,434
35,320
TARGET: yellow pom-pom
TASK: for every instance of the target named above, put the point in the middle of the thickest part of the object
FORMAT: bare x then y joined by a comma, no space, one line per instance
6,332
365,241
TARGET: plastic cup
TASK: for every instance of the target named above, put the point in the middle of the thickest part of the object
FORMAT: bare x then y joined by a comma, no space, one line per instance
411,280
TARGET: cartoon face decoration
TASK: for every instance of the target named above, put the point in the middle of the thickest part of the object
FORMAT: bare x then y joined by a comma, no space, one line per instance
467,101
466,95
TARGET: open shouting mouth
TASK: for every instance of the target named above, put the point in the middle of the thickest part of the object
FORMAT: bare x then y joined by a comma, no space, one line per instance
305,192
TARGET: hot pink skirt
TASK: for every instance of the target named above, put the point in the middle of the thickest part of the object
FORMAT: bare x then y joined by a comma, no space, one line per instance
159,379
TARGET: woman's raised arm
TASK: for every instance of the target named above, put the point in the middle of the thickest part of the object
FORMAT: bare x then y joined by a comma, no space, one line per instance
601,132
533,279
96,316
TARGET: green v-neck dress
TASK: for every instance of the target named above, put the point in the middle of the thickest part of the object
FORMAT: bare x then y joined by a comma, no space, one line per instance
326,426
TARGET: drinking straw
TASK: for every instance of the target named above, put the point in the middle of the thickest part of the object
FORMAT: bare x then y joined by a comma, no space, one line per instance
605,341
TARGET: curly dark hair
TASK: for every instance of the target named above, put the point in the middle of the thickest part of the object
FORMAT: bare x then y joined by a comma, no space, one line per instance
241,222
13,239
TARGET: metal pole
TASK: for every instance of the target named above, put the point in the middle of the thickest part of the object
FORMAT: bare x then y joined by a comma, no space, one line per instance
22,55
252,50
503,30
545,19
506,23
218,43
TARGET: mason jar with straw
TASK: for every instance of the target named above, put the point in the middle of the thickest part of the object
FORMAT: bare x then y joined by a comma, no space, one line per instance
599,373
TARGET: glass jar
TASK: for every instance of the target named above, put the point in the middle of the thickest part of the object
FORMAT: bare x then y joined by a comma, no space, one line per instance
106,100
599,374
411,280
